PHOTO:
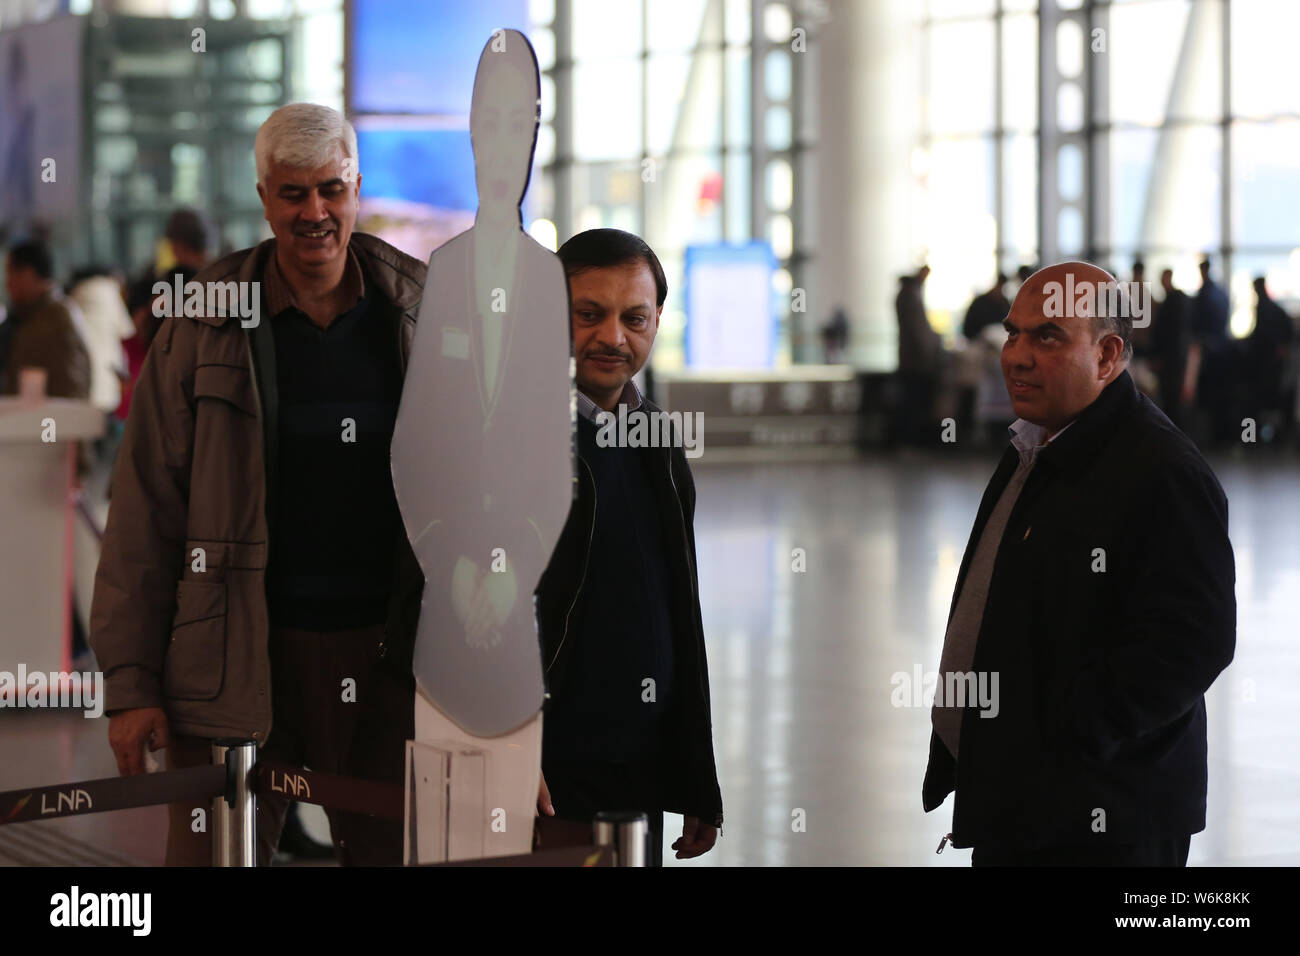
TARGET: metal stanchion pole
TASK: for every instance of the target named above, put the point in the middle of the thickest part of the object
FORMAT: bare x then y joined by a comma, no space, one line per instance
627,831
234,815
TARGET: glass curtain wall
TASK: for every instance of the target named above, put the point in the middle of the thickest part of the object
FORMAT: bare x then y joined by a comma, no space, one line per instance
1176,135
653,127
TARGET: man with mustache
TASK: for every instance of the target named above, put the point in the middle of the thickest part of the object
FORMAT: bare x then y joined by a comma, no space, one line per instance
628,724
1098,587
255,580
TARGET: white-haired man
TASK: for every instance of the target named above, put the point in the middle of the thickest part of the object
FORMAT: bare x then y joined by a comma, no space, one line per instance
255,581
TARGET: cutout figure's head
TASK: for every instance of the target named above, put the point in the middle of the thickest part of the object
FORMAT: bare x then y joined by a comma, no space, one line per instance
1066,341
309,183
503,121
617,290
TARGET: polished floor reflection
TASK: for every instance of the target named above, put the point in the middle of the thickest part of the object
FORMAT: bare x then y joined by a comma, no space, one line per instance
801,662
817,767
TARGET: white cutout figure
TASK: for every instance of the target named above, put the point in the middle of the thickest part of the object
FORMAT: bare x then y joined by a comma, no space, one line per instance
482,451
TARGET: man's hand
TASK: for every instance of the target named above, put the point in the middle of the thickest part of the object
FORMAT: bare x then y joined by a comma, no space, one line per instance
696,839
544,805
130,730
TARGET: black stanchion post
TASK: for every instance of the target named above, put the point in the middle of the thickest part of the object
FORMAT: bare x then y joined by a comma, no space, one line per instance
234,815
627,831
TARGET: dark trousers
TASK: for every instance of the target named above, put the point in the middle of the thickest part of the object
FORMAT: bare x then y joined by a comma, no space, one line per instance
1163,852
314,727
580,790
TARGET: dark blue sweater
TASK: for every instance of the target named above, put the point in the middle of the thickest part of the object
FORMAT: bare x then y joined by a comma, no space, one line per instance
621,623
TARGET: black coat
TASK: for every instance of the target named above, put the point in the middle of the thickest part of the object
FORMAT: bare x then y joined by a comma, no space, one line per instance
691,784
1102,674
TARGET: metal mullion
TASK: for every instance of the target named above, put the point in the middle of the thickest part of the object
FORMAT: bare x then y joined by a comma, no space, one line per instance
757,114
1225,146
643,204
999,197
562,165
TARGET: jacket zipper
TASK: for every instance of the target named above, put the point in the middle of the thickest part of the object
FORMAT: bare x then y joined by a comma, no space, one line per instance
266,490
586,559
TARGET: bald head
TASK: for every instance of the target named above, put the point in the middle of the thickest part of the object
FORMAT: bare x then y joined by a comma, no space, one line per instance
1068,338
1087,291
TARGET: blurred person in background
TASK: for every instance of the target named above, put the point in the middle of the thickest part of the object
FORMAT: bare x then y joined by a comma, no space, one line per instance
43,329
189,238
1211,355
1141,333
46,332
920,351
986,311
98,295
1267,356
139,305
835,336
990,307
1170,339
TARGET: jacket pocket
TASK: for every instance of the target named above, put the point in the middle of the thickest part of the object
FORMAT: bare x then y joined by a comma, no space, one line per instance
228,383
195,665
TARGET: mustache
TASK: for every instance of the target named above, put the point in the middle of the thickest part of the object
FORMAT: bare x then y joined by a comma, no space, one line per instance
608,353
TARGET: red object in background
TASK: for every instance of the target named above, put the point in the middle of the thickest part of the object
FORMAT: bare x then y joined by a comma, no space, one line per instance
710,191
135,353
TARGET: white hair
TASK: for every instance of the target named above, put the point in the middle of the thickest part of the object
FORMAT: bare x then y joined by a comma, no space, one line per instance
303,135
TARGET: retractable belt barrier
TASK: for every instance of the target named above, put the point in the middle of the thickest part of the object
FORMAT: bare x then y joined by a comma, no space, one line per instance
113,793
372,797
235,777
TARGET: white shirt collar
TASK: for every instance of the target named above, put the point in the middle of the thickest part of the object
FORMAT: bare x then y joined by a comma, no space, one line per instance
1030,439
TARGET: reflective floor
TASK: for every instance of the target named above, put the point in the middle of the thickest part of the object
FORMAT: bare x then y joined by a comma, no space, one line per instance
800,663
817,767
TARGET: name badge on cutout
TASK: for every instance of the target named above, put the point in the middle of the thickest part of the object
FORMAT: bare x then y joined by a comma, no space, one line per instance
455,343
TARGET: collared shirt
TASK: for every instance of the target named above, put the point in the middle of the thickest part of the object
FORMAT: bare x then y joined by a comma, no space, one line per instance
1028,439
631,397
280,295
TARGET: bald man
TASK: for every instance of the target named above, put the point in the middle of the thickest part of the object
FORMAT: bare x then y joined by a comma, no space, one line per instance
1093,609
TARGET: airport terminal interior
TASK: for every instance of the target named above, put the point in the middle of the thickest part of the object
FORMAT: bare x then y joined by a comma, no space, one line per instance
846,197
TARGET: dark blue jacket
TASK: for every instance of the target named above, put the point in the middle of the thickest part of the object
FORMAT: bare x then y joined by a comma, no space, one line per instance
1102,674
691,784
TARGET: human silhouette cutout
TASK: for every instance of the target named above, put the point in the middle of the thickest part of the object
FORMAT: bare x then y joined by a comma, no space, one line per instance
482,449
